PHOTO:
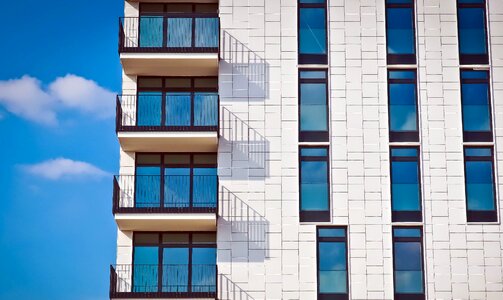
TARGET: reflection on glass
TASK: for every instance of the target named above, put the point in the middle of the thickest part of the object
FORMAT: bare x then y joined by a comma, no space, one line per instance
402,98
400,30
149,109
332,267
479,185
151,31
472,33
147,186
408,268
312,31
145,269
313,107
314,185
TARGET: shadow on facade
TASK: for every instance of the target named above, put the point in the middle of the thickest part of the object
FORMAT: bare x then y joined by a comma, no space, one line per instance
250,149
246,225
247,72
227,289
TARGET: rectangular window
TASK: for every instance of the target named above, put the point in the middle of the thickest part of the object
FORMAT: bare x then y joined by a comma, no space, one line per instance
312,29
313,112
405,184
400,32
332,263
472,32
175,103
480,187
177,262
402,98
314,184
176,181
476,103
408,269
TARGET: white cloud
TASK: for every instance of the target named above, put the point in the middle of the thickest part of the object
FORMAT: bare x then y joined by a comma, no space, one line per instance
27,98
58,168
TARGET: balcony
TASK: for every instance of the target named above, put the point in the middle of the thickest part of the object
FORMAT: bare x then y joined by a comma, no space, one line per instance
175,122
163,281
177,44
167,203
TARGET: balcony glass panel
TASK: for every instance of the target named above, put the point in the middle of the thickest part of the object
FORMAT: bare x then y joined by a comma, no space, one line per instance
145,270
205,32
175,270
177,187
148,186
178,109
203,274
205,109
151,31
149,109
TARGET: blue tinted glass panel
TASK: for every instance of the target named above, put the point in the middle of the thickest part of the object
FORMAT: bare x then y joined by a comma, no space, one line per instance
178,107
474,75
405,186
472,36
399,1
313,74
151,31
312,1
313,151
312,31
205,187
206,32
471,1
314,185
206,109
404,152
175,276
476,112
331,232
147,186
400,31
478,152
407,232
480,185
179,32
203,269
149,109
145,268
402,98
408,267
313,107
402,75
332,267
177,187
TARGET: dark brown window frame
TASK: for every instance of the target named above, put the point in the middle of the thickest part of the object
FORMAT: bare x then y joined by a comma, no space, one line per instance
478,136
403,136
488,216
321,215
401,296
314,136
401,59
321,59
406,216
332,296
473,59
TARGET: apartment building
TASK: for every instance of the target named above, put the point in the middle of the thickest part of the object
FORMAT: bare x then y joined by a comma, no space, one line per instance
310,149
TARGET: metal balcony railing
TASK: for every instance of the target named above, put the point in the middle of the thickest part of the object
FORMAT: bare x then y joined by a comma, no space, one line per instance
180,111
170,33
165,194
163,281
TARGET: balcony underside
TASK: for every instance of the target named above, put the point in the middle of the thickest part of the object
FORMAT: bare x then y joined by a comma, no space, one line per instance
166,222
170,64
168,141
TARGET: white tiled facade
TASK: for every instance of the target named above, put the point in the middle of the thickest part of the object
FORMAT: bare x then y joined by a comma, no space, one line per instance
264,252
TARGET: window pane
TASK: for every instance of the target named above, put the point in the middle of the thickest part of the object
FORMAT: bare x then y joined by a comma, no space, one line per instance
408,267
407,232
472,37
204,238
205,109
476,113
312,31
313,107
205,159
206,32
331,232
404,152
400,31
175,238
177,187
149,159
313,74
205,187
145,268
178,82
332,267
175,277
178,109
402,99
312,1
402,75
479,185
314,185
405,186
147,186
480,152
177,159
146,238
149,109
179,32
151,31
313,151
409,282
203,269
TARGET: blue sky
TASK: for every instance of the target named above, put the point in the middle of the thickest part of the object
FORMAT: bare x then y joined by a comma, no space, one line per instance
59,69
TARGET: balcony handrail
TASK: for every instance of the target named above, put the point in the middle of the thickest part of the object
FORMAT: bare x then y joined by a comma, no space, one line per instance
163,280
160,113
165,194
159,34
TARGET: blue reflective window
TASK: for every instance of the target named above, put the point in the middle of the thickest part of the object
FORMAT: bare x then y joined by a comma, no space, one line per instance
148,186
475,99
314,188
151,31
313,107
149,108
332,262
205,187
203,269
175,264
177,187
312,31
145,269
205,109
408,262
479,178
402,94
405,184
400,32
178,109
472,30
